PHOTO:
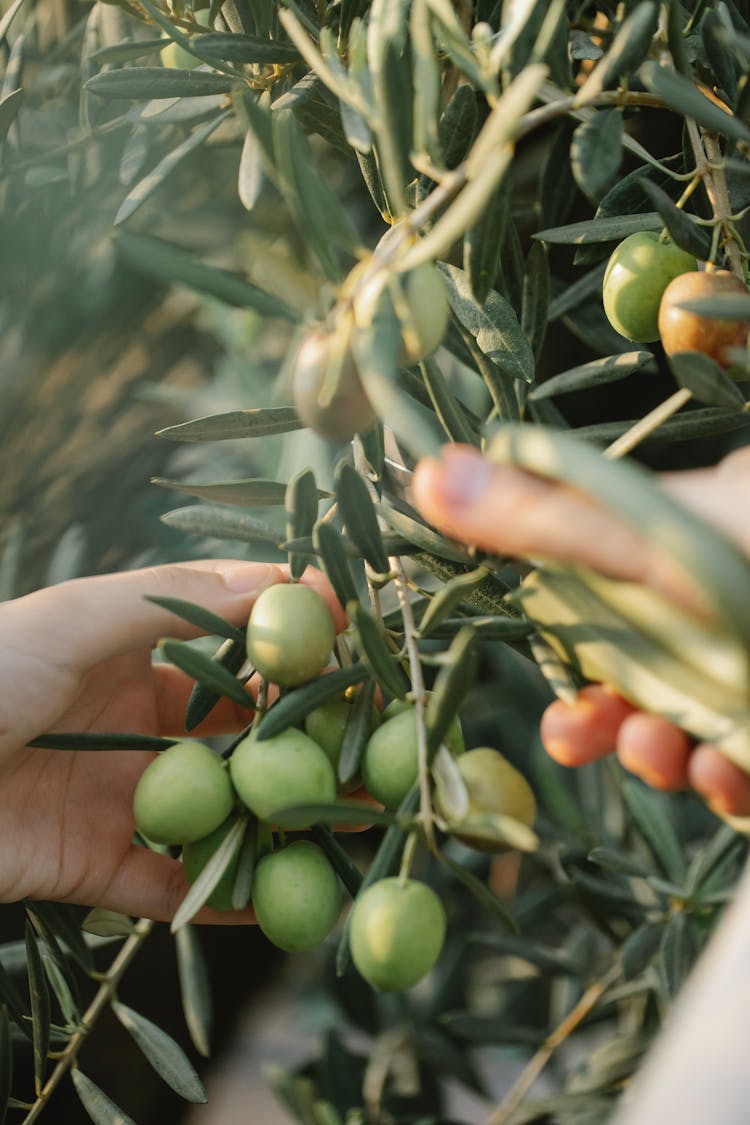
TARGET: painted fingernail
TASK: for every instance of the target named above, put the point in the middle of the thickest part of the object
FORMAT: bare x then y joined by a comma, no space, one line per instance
463,476
246,578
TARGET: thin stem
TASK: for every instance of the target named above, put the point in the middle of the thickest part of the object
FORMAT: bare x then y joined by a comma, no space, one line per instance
536,1065
101,1001
645,426
710,168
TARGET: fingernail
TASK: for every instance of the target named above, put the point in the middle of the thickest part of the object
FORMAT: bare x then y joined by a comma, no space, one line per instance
247,578
463,476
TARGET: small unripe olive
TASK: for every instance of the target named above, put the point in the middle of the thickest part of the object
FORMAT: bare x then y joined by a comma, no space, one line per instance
429,311
390,764
493,786
396,932
327,723
290,634
638,272
337,412
296,896
182,795
196,855
288,769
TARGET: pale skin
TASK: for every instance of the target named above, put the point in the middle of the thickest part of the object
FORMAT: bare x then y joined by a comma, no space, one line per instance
507,511
78,657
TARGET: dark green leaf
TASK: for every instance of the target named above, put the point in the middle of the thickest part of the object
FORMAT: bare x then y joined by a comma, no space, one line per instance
197,615
40,1007
218,523
374,651
457,125
676,37
100,1108
9,107
148,82
87,741
452,682
639,948
247,49
349,875
6,1062
301,502
127,50
683,427
166,1057
63,981
449,596
677,952
390,70
342,812
724,307
260,421
552,962
231,655
609,369
207,671
332,555
573,296
10,997
601,230
359,515
211,874
422,536
481,892
171,263
557,188
596,152
195,988
619,861
494,325
684,97
536,285
290,710
356,733
706,380
483,243
684,231
450,411
252,493
710,857
649,812
628,50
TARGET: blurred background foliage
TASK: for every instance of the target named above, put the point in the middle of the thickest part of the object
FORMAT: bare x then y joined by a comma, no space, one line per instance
96,355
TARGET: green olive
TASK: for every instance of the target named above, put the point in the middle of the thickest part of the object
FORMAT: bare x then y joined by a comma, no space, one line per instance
196,855
296,896
290,634
420,300
638,272
390,764
396,932
336,413
288,769
327,723
494,787
182,795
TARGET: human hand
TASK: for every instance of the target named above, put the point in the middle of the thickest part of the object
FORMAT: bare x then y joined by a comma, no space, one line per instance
77,657
507,511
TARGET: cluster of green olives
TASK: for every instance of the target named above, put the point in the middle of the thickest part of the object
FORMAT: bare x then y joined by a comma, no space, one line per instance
326,387
647,281
190,797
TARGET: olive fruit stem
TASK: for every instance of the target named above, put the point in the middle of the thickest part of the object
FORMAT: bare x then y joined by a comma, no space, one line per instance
407,856
104,996
645,426
537,1063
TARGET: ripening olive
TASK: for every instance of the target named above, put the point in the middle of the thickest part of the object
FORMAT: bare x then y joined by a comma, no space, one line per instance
184,794
685,331
396,932
296,896
494,787
290,634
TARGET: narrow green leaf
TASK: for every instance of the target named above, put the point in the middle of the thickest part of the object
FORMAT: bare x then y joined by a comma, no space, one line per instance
290,710
448,597
724,307
457,126
107,924
156,177
706,861
422,536
210,876
149,82
9,107
608,369
8,18
596,152
356,733
427,82
171,263
166,1057
6,1063
207,671
197,615
195,988
677,952
390,70
684,97
87,741
231,655
483,242
40,1007
218,523
452,682
627,51
494,325
247,49
639,948
251,493
452,414
676,37
260,421
481,892
57,963
600,230
551,961
649,813
573,296
557,188
330,550
706,380
360,517
301,501
684,232
100,1108
251,172
342,812
127,50
375,652
10,998
349,875
536,286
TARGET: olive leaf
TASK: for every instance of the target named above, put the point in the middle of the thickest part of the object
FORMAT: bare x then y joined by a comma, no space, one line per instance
167,1058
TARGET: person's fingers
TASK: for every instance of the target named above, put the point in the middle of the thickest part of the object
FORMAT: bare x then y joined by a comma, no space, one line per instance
580,732
724,786
654,749
507,511
150,885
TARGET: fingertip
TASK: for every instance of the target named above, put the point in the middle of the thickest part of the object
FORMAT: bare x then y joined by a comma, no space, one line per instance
723,785
655,750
